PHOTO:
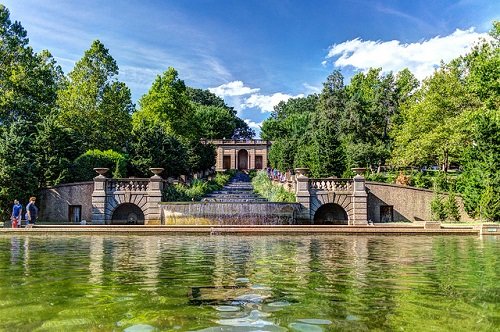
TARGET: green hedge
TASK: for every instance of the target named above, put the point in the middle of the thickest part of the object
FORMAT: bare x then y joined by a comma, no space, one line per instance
83,166
272,192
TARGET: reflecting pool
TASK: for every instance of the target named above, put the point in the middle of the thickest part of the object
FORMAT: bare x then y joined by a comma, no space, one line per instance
249,283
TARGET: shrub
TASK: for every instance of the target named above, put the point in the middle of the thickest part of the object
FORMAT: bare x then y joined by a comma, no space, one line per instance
272,192
438,209
451,207
421,180
83,166
196,190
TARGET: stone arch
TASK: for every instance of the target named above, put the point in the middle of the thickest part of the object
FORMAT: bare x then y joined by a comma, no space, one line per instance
242,159
118,199
127,214
321,198
331,214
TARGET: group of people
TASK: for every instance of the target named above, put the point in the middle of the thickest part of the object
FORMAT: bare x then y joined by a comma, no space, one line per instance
30,215
275,175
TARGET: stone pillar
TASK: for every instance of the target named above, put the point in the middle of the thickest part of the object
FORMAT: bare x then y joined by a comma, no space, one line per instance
153,209
302,194
220,159
234,162
99,199
359,201
251,156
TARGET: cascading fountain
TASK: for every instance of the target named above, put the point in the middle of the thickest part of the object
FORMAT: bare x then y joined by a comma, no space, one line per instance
235,204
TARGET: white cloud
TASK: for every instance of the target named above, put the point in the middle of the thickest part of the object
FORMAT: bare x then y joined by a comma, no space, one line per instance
253,124
420,57
266,103
235,88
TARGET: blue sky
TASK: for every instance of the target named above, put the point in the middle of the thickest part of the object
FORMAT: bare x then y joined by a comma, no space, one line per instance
256,53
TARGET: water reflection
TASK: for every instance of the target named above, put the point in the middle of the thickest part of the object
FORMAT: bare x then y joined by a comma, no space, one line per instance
244,283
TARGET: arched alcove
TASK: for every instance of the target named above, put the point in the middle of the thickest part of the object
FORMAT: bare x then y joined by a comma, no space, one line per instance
243,159
127,214
331,214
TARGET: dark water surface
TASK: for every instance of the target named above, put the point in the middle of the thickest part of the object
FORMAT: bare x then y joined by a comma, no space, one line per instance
249,283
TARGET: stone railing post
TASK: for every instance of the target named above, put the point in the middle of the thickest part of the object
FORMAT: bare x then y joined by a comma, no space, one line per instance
302,194
155,189
99,197
359,201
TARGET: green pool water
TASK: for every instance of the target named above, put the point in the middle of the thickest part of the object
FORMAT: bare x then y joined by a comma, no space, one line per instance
249,283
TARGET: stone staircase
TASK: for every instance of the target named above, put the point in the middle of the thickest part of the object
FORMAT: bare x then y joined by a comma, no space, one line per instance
238,190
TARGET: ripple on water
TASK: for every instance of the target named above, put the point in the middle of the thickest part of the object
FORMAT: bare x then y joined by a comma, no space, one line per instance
303,327
140,328
227,308
315,321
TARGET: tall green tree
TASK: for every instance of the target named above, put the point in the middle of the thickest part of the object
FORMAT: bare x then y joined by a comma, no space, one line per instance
167,103
432,130
215,118
153,146
28,81
94,104
288,124
328,151
55,148
18,169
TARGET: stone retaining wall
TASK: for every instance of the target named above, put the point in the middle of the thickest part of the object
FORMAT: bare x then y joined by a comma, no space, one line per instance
55,201
409,203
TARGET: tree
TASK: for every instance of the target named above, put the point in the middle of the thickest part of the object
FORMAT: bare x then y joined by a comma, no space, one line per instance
153,146
480,181
325,128
214,122
55,148
18,170
167,103
288,124
432,130
28,81
215,118
94,104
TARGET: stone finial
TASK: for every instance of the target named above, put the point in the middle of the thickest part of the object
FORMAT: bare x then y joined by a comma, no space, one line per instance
359,171
302,171
156,171
101,171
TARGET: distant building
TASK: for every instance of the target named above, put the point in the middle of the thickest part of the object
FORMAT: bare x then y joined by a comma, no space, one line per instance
240,154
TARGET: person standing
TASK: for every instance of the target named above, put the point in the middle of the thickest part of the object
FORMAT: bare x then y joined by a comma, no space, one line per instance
17,211
32,212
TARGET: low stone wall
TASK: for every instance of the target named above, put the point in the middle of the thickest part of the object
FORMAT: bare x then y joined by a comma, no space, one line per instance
220,213
409,203
55,201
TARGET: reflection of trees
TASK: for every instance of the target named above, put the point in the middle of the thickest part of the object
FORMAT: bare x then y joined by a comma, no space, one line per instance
384,282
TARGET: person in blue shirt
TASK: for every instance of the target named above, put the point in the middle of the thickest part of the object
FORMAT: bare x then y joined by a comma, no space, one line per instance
31,212
17,211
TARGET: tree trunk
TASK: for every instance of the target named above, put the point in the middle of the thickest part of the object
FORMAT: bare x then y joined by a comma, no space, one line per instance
445,161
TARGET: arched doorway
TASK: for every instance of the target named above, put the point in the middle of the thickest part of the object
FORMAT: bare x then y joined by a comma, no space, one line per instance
128,214
242,159
331,214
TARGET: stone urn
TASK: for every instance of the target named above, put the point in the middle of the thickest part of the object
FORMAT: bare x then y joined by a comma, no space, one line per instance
101,171
156,171
302,171
358,170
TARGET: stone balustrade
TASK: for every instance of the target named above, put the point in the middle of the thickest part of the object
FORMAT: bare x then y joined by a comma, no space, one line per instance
134,185
334,185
